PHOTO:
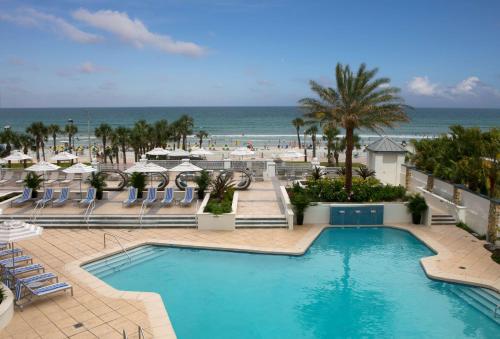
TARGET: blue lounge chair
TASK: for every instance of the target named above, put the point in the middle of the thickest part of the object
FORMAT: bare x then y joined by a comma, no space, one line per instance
63,197
38,278
24,198
90,198
44,290
14,251
151,198
11,273
132,197
168,198
20,258
188,197
47,197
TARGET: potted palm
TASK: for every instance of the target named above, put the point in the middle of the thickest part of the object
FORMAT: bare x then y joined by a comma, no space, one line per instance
97,180
138,180
34,182
417,207
300,202
203,181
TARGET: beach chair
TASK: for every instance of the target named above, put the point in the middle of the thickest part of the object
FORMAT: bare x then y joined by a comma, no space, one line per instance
11,252
32,292
151,197
10,274
21,178
90,198
132,197
63,197
168,198
37,278
24,198
47,197
7,176
188,197
69,178
12,262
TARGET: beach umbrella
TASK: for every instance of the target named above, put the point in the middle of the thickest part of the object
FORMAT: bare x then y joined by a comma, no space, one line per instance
242,152
17,156
158,151
43,166
145,167
201,151
64,156
179,153
16,230
79,169
186,166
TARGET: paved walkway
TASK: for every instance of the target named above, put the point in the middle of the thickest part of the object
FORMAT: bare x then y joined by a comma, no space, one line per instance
260,200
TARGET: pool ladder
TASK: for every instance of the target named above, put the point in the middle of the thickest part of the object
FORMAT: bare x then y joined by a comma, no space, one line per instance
119,243
140,333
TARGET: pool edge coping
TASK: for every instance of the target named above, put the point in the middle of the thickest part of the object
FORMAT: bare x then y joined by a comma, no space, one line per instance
156,309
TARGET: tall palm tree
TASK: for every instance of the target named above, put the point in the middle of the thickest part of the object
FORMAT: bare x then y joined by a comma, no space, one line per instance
161,133
71,131
359,101
200,135
186,124
313,131
298,123
7,137
25,141
104,132
122,135
53,130
330,135
38,130
141,132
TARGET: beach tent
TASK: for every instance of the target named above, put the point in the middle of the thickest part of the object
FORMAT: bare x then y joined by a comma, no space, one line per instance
79,169
242,152
17,156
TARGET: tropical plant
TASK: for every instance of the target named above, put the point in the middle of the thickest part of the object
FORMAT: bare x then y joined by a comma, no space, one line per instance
161,133
71,131
122,137
316,173
39,131
200,135
53,130
416,206
220,186
300,202
25,141
98,181
203,181
342,171
7,137
104,132
298,123
330,135
359,101
313,131
138,180
219,207
33,181
364,172
185,126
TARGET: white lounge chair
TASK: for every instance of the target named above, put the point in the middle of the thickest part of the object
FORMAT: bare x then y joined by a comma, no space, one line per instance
7,176
32,292
69,178
37,278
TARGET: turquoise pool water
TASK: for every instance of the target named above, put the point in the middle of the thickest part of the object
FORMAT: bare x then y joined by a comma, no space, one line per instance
351,283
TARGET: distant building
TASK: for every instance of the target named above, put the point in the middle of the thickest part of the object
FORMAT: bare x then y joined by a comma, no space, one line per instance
385,157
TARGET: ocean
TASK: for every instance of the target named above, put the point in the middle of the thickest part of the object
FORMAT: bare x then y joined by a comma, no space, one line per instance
237,125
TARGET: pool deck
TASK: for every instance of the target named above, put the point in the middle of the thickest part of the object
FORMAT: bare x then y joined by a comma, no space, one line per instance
104,312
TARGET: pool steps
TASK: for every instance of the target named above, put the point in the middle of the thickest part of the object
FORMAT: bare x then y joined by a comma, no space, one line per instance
483,299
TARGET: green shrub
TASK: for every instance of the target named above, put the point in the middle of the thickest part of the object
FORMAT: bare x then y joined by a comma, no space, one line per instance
138,180
98,181
203,181
33,181
2,294
217,207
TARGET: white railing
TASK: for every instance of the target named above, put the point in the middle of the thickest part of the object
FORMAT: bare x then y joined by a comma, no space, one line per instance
118,242
37,211
141,212
287,206
88,213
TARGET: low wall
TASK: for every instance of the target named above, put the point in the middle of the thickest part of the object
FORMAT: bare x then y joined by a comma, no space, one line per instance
443,205
6,307
394,212
213,222
285,200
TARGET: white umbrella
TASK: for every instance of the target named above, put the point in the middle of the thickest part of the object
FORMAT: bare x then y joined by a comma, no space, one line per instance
201,151
179,153
186,166
79,169
242,151
16,230
158,151
43,166
291,154
17,156
64,156
145,167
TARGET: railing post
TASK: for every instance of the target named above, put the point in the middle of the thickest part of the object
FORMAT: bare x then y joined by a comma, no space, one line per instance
457,195
430,182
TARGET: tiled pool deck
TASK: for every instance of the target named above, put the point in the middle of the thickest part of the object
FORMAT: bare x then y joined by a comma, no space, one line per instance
105,312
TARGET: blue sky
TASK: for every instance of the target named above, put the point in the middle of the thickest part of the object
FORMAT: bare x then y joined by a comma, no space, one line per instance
223,52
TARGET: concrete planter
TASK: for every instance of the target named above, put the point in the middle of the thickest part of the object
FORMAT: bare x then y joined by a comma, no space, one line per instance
212,222
394,212
6,307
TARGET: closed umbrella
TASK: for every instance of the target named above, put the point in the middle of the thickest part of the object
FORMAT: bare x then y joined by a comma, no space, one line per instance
79,169
16,230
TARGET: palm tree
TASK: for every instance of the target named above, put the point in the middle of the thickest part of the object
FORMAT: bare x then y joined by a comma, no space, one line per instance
70,130
298,123
330,135
122,135
7,137
104,132
313,131
25,141
359,101
161,133
200,135
53,130
38,130
186,124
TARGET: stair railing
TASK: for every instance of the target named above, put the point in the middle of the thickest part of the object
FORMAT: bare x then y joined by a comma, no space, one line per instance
88,213
118,242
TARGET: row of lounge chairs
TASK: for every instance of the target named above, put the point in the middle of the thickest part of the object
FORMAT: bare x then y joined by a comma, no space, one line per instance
16,177
48,197
28,280
152,196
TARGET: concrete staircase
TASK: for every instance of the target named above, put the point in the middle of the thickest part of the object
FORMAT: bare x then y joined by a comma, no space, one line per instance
243,221
484,300
443,219
108,221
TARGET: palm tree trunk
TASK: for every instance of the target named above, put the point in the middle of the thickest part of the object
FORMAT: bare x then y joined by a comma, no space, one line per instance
305,148
124,152
348,158
37,150
329,153
314,145
54,137
298,136
201,141
104,149
69,139
184,142
43,150
336,156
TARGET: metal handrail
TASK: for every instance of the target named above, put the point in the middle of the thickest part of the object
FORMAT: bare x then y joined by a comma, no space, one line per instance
88,213
140,333
141,213
124,335
119,243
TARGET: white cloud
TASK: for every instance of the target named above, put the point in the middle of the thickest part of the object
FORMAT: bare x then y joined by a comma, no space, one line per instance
85,68
422,86
32,17
135,32
467,86
88,68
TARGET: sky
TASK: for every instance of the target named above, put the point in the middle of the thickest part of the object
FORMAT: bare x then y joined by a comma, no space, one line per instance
243,53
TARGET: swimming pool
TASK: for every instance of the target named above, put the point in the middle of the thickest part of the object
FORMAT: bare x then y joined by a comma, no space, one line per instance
352,282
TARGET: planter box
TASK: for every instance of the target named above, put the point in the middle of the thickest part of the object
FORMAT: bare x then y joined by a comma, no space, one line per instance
212,222
6,307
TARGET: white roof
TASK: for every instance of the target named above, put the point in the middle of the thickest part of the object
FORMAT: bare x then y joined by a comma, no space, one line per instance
64,156
15,230
385,144
43,166
158,151
186,166
17,156
79,169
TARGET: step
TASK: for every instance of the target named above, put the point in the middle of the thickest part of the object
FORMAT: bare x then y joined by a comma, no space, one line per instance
482,299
